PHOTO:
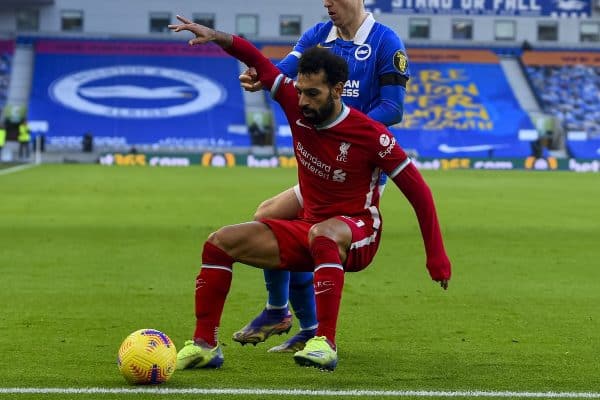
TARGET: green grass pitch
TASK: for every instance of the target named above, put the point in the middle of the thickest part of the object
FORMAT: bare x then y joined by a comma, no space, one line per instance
91,253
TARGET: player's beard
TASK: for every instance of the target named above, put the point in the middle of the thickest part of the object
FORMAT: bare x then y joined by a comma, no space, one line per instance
320,115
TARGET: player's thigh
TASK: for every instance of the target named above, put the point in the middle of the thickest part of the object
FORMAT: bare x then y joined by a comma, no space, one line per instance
285,205
251,243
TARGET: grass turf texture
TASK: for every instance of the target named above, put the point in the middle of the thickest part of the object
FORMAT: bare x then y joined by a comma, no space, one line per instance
90,254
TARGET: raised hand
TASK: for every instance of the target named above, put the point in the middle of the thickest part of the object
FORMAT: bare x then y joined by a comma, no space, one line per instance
203,33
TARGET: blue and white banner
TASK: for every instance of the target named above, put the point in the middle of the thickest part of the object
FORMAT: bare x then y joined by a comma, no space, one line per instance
458,103
153,93
526,8
581,146
462,109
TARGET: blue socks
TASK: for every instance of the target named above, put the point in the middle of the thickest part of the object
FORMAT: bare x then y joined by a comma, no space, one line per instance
302,298
278,283
298,288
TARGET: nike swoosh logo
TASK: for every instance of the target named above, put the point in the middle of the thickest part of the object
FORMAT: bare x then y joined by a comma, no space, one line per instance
444,148
324,47
322,291
299,123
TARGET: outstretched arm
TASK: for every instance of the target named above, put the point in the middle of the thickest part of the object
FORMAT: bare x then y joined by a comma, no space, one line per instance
412,185
234,45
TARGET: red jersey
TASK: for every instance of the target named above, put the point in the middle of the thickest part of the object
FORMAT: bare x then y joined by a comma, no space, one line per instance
338,164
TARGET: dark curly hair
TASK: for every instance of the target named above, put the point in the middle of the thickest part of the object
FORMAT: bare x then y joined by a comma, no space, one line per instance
316,59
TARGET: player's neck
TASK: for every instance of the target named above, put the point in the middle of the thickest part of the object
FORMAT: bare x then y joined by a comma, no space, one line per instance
337,110
348,32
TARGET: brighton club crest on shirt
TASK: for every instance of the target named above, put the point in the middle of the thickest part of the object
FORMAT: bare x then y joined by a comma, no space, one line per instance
343,156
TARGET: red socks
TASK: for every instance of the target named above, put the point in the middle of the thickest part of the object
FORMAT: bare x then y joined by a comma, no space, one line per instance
214,281
328,283
212,286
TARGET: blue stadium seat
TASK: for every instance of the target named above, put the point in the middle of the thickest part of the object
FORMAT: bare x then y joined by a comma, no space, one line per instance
162,94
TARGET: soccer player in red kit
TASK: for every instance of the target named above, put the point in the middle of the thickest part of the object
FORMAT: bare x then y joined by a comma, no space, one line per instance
340,153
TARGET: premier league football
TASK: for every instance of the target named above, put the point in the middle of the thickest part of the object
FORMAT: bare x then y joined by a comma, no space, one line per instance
299,199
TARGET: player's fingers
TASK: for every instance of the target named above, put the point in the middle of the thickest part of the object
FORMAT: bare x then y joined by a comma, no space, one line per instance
250,74
248,80
251,86
196,41
184,20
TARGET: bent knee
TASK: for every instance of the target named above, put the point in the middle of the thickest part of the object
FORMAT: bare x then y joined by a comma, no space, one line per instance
264,210
213,239
221,238
332,229
322,230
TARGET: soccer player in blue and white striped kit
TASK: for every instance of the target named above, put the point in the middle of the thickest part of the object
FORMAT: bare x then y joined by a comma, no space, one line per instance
378,72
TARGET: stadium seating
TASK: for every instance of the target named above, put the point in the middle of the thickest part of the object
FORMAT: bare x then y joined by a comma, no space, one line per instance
568,84
6,53
165,95
283,134
570,92
458,104
156,94
281,128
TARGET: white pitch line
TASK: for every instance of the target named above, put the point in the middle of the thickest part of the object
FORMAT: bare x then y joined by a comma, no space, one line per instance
302,392
17,168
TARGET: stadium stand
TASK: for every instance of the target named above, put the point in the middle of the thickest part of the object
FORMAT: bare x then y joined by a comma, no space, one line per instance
569,85
160,91
6,53
281,129
132,87
458,104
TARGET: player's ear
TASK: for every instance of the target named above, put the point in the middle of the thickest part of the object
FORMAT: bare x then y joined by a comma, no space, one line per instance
337,90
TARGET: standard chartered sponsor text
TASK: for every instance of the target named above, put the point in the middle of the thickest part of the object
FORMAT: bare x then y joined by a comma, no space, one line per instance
312,162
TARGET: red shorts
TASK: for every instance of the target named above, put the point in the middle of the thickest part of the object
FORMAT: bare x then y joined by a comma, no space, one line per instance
292,237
